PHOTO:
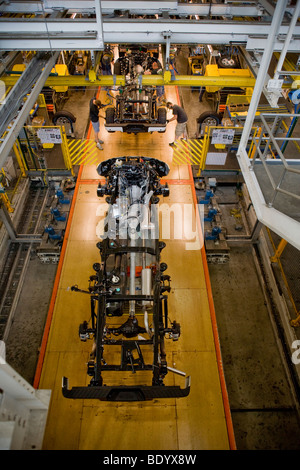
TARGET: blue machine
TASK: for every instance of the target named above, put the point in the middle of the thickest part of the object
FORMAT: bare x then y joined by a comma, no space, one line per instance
209,194
214,234
52,234
57,215
211,215
61,196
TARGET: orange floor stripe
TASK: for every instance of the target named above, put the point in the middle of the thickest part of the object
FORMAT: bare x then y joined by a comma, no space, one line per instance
57,279
55,289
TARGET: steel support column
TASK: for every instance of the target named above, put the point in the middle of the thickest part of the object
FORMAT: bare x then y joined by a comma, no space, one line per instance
262,72
13,235
99,25
280,223
23,410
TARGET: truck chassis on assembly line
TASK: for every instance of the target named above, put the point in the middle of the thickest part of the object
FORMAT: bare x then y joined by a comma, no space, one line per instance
136,111
130,281
137,108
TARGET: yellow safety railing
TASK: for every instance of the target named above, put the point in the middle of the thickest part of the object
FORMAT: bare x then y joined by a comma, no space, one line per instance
195,151
3,194
234,143
65,151
33,137
191,151
73,151
20,158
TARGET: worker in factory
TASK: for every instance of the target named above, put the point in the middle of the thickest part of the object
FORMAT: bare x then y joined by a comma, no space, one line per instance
95,106
180,115
106,62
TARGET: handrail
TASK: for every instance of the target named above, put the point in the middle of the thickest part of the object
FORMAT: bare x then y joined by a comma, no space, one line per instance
268,136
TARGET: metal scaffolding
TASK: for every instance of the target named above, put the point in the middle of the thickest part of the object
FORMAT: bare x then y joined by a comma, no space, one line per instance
107,22
278,221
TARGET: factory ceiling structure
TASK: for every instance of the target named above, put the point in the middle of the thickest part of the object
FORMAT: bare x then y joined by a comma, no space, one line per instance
259,28
105,22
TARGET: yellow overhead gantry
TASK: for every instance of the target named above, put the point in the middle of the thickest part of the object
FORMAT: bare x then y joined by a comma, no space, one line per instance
218,78
233,78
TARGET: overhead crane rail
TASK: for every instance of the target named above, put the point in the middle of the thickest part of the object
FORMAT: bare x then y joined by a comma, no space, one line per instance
155,21
146,8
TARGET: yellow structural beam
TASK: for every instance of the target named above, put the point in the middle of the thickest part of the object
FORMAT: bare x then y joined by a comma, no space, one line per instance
61,70
279,250
219,81
20,158
230,76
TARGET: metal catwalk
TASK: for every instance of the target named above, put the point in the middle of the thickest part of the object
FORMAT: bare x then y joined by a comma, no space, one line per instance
197,422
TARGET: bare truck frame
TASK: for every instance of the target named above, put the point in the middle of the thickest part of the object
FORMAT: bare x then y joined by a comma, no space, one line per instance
130,282
136,111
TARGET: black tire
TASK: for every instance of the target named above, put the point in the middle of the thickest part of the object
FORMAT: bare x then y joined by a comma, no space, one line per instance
63,116
110,115
209,118
162,115
227,62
